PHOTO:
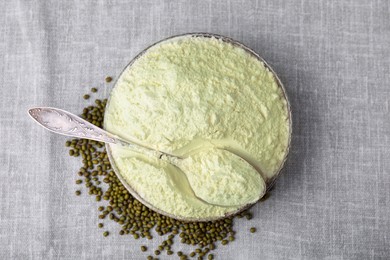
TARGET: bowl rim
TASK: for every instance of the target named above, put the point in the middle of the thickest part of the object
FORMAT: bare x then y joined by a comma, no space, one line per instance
269,182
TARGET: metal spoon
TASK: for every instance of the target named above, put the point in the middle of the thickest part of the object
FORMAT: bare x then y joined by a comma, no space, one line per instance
65,123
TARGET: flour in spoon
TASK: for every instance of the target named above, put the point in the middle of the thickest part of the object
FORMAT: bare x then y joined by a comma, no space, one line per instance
220,177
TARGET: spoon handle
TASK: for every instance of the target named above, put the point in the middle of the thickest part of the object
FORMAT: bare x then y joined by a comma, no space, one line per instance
62,122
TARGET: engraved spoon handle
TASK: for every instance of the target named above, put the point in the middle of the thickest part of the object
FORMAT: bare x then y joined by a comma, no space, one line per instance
62,122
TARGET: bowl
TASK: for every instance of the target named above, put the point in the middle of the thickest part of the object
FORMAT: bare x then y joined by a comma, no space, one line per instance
269,182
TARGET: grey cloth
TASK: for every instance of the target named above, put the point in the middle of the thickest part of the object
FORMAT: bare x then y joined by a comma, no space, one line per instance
332,200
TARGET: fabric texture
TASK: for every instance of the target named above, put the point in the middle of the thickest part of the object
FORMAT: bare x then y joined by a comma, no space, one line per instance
332,200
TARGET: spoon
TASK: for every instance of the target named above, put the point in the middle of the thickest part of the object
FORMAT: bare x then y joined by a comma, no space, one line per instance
65,123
